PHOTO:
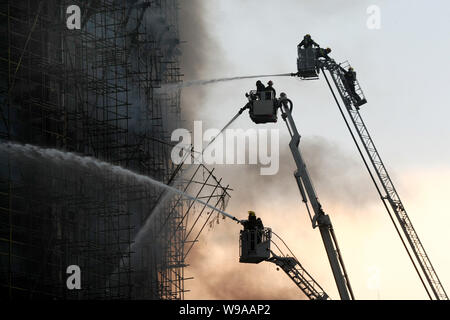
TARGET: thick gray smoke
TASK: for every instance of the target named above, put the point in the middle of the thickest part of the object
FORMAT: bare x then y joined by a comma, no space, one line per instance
198,46
157,45
200,52
159,31
338,177
236,281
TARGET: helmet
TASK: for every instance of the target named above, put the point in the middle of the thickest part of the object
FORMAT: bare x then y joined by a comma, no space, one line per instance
328,50
258,82
270,83
251,213
307,35
350,69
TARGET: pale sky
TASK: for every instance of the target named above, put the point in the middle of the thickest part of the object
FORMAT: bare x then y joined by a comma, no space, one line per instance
402,68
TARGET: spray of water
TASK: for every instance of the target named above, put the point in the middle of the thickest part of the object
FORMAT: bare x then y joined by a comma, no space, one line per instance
100,167
69,159
173,86
166,195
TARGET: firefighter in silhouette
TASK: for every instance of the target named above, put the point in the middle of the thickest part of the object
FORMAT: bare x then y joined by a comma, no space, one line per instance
254,223
250,223
271,88
259,88
307,42
323,53
349,79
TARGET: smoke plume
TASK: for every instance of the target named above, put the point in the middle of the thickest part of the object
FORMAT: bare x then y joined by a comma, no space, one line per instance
199,52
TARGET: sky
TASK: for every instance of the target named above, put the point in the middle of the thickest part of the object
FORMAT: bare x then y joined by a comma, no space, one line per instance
402,70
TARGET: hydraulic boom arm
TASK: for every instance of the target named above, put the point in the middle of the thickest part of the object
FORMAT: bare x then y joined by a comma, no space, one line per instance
319,219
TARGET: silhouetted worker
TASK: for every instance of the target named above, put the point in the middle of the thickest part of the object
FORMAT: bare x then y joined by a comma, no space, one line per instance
323,53
254,223
271,88
259,224
349,83
250,223
307,42
259,230
259,88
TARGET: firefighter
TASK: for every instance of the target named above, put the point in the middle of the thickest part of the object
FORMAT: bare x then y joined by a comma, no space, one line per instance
323,53
254,223
250,223
259,230
259,224
271,88
349,79
307,42
259,88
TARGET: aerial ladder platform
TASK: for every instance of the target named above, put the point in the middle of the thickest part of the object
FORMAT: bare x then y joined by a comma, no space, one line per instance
255,247
263,108
353,97
390,197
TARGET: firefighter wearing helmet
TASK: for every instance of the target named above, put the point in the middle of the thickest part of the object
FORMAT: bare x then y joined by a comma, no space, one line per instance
307,42
349,80
271,88
323,53
253,223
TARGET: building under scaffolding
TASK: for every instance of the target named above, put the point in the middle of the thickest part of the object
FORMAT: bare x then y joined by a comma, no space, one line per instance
92,91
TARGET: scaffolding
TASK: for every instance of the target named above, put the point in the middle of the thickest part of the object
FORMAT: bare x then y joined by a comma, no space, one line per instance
92,91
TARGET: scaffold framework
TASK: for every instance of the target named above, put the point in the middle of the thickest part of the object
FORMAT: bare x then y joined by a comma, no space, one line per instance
92,92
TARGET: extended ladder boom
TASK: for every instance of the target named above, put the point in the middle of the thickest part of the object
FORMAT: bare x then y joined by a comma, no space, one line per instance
319,219
300,277
390,197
